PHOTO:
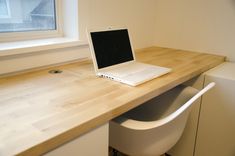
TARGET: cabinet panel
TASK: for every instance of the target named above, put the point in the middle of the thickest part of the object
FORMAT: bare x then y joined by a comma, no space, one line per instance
93,143
185,146
216,133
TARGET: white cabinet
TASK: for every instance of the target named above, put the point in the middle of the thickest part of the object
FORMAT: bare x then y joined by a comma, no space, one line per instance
186,144
216,132
93,143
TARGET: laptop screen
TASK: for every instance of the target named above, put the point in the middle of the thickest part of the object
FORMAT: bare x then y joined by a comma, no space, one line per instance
111,47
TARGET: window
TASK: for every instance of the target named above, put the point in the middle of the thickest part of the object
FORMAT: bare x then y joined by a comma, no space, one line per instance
4,9
47,25
27,15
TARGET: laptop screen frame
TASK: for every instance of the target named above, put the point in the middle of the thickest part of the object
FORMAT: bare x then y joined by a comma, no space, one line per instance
93,51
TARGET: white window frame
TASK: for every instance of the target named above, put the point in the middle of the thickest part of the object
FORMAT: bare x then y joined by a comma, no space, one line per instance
30,35
8,11
71,33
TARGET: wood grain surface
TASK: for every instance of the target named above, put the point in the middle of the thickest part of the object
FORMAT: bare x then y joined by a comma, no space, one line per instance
41,111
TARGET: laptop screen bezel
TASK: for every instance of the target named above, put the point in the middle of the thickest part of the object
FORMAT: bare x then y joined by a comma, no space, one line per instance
93,51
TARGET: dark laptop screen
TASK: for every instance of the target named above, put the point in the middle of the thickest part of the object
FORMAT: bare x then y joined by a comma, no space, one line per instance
111,47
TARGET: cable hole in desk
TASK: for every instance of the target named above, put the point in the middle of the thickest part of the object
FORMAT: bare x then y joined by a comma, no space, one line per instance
55,71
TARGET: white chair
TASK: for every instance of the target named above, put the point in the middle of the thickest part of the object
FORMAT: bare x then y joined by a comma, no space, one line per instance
154,127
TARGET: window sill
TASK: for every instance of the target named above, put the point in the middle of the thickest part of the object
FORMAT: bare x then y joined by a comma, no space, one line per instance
33,46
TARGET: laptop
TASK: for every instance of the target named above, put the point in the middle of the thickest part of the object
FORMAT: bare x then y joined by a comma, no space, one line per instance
113,58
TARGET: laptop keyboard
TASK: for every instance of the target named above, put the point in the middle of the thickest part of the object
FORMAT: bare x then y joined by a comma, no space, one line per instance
145,73
135,74
130,70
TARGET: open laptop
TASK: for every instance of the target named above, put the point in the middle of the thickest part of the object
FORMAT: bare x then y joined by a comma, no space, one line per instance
114,58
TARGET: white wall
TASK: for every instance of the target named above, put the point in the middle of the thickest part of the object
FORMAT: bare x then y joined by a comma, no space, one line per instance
199,25
138,15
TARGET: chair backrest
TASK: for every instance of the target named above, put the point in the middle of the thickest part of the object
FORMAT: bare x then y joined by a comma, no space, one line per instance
139,124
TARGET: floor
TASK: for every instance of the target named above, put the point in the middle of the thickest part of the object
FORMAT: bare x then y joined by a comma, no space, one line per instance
111,153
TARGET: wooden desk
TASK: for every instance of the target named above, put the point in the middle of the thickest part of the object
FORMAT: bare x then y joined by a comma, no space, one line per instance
40,111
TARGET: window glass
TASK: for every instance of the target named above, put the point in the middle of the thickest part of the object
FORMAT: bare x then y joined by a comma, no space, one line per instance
3,8
27,15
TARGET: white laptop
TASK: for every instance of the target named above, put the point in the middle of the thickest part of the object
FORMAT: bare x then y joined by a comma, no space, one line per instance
114,58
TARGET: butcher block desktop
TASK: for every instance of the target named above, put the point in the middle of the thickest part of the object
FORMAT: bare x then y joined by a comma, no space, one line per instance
41,110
